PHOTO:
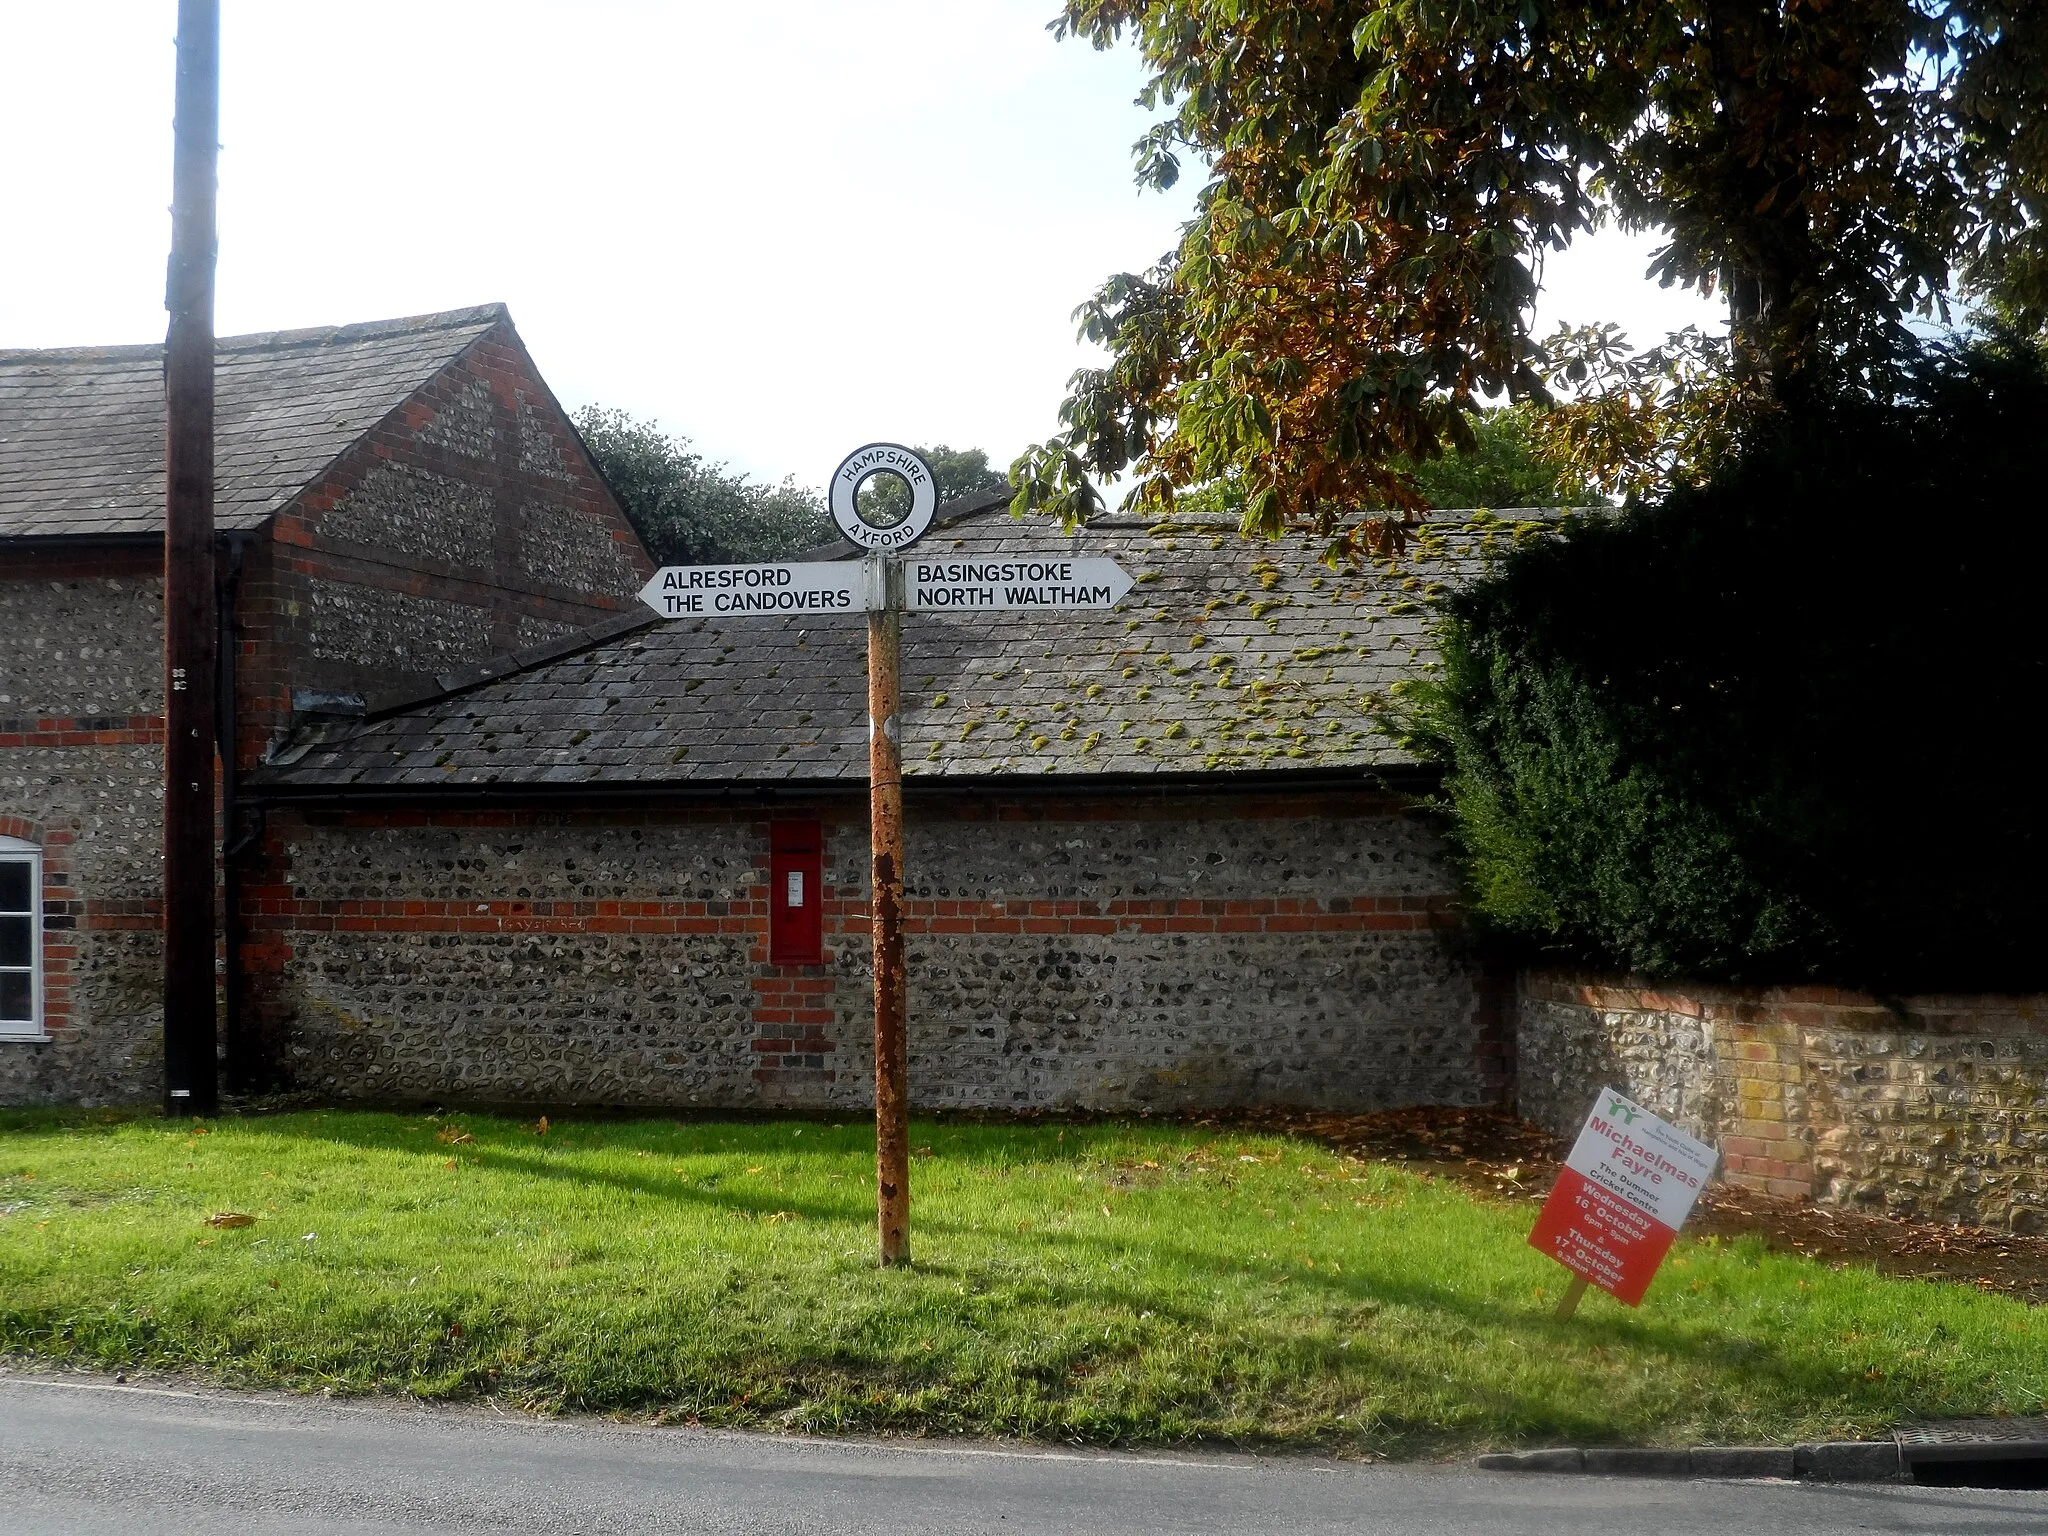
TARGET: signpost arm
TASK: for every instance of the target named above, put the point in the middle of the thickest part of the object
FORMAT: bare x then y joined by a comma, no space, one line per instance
885,839
823,587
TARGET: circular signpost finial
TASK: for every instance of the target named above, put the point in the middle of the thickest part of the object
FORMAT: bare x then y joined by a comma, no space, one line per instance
861,466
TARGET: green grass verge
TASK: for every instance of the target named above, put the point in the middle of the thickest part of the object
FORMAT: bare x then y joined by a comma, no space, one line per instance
1111,1283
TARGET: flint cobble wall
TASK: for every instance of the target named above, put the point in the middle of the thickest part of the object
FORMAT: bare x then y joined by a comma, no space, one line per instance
1094,956
81,775
1932,1107
467,524
80,644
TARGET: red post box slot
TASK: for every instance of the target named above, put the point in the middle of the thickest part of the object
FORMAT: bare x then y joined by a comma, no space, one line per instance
796,869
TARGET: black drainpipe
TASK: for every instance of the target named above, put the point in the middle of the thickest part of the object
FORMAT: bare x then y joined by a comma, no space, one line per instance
241,1067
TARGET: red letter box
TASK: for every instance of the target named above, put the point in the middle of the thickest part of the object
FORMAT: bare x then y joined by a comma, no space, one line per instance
796,867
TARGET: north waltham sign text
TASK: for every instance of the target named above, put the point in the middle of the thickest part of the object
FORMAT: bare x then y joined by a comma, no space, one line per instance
937,586
818,586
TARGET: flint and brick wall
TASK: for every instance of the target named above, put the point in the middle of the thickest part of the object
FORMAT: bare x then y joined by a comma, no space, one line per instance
1933,1107
81,777
468,524
1106,955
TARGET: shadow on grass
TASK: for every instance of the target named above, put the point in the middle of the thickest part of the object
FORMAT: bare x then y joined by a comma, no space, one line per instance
1782,1370
510,1148
1077,1262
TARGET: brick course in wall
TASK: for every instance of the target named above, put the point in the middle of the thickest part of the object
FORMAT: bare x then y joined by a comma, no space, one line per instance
465,524
92,808
1935,1107
1148,953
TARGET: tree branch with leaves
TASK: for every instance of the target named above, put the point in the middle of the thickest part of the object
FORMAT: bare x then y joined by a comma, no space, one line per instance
1384,179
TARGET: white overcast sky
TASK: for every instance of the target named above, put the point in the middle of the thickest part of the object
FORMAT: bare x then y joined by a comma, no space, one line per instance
780,230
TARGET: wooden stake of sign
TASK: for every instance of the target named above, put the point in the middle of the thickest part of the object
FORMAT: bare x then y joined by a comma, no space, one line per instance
885,922
1573,1295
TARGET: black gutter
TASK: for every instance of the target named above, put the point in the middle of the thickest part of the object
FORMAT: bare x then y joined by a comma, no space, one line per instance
25,542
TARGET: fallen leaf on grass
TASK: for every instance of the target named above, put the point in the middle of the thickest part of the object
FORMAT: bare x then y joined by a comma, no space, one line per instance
230,1219
453,1136
782,1216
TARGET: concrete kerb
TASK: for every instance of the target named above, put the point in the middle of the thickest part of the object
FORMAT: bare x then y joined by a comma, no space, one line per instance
1837,1461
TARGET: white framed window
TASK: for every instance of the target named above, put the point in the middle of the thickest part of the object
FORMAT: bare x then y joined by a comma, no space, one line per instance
21,940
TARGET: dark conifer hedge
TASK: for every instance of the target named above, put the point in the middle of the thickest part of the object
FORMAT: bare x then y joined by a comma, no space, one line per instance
1783,727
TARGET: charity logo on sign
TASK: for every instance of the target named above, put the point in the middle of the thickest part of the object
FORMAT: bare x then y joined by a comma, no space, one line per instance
1621,1197
888,522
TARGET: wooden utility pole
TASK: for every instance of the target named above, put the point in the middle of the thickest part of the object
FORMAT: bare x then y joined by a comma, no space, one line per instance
885,840
190,1073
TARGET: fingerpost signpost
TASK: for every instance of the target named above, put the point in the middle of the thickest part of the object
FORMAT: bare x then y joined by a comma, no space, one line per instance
1620,1199
885,585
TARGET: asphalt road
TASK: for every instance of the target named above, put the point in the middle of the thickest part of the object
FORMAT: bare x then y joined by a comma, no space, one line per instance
84,1456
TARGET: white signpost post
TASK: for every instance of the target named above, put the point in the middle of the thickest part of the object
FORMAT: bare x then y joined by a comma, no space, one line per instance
884,586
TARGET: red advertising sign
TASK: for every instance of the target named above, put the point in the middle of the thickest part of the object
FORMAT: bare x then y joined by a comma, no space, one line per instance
1624,1192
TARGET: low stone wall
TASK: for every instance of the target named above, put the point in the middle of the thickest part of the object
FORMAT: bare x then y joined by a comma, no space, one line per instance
1111,954
1934,1107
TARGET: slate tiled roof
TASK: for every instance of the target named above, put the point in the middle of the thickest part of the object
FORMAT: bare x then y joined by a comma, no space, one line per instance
1227,656
82,428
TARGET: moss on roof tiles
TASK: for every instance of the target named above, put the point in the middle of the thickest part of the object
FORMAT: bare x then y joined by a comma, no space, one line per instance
1267,608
